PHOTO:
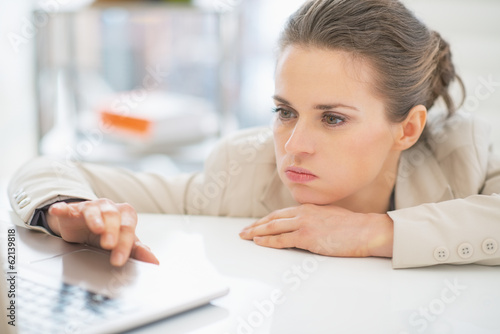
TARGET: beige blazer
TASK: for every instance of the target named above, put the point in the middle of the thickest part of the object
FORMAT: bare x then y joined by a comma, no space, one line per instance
447,207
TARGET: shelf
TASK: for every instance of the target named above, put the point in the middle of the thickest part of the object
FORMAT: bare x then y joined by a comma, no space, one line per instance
98,50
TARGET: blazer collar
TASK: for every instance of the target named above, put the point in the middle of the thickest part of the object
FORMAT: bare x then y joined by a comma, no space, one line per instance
420,178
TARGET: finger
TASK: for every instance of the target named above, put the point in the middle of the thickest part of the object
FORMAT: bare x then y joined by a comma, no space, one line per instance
54,213
273,227
60,209
286,240
112,219
282,213
142,252
93,218
126,238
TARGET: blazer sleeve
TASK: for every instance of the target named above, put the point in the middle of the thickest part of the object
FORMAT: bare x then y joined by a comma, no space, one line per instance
43,181
457,231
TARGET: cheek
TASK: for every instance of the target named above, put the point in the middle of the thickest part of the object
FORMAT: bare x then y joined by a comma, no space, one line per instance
360,153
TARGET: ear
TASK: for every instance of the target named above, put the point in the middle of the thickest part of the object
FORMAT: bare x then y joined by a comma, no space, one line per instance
411,128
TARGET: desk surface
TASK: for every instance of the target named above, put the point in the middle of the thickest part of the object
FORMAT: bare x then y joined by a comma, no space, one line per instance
293,291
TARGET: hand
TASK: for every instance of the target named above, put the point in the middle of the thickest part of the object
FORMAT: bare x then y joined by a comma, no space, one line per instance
324,230
100,223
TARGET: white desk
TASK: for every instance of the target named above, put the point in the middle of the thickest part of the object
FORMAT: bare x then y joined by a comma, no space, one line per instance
292,291
319,294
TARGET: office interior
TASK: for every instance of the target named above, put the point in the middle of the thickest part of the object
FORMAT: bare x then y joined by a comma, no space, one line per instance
184,73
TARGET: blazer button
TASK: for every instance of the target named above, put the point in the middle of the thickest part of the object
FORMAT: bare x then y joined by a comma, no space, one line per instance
24,202
21,197
18,192
490,246
465,250
441,254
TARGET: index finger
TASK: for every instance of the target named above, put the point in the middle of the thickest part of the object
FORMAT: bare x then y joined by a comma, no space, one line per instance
277,214
143,253
126,238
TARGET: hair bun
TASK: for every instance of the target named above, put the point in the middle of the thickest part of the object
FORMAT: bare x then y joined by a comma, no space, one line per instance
444,74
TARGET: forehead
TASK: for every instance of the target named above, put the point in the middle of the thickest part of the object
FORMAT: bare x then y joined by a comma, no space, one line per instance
323,70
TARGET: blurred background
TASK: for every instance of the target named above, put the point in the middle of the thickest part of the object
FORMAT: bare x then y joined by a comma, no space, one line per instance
151,85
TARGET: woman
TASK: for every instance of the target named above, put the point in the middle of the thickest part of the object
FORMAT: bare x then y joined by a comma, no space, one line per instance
353,166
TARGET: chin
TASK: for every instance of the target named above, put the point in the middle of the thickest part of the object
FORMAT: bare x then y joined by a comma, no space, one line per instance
309,196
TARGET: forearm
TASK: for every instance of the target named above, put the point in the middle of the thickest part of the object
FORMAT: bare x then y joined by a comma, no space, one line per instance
434,233
44,181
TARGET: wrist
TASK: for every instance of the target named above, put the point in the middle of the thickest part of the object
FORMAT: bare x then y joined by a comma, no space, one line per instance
53,223
380,235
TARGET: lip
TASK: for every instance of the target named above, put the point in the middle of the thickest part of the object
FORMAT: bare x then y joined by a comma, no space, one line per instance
299,175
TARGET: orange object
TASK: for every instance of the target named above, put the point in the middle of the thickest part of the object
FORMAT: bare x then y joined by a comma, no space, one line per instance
136,125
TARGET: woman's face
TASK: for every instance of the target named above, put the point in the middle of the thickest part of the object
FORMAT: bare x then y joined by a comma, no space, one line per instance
333,142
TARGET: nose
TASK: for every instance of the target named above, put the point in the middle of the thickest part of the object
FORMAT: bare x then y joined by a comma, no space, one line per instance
301,140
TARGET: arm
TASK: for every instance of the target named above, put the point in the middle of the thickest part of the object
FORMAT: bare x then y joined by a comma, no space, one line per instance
44,181
459,231
102,217
109,198
325,230
423,232
98,222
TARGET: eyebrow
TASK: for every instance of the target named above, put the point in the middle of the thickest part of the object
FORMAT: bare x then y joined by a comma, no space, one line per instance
318,106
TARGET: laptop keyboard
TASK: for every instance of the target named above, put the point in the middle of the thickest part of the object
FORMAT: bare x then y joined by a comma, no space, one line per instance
67,309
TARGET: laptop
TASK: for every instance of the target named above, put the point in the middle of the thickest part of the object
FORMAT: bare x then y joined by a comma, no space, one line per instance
52,286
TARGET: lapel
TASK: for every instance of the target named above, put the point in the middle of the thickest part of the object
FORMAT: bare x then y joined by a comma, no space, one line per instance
276,195
420,178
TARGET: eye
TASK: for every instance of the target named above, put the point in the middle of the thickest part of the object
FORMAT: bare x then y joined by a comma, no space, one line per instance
283,113
332,119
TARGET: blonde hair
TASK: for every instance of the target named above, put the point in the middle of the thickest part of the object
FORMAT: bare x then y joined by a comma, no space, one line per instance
413,64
